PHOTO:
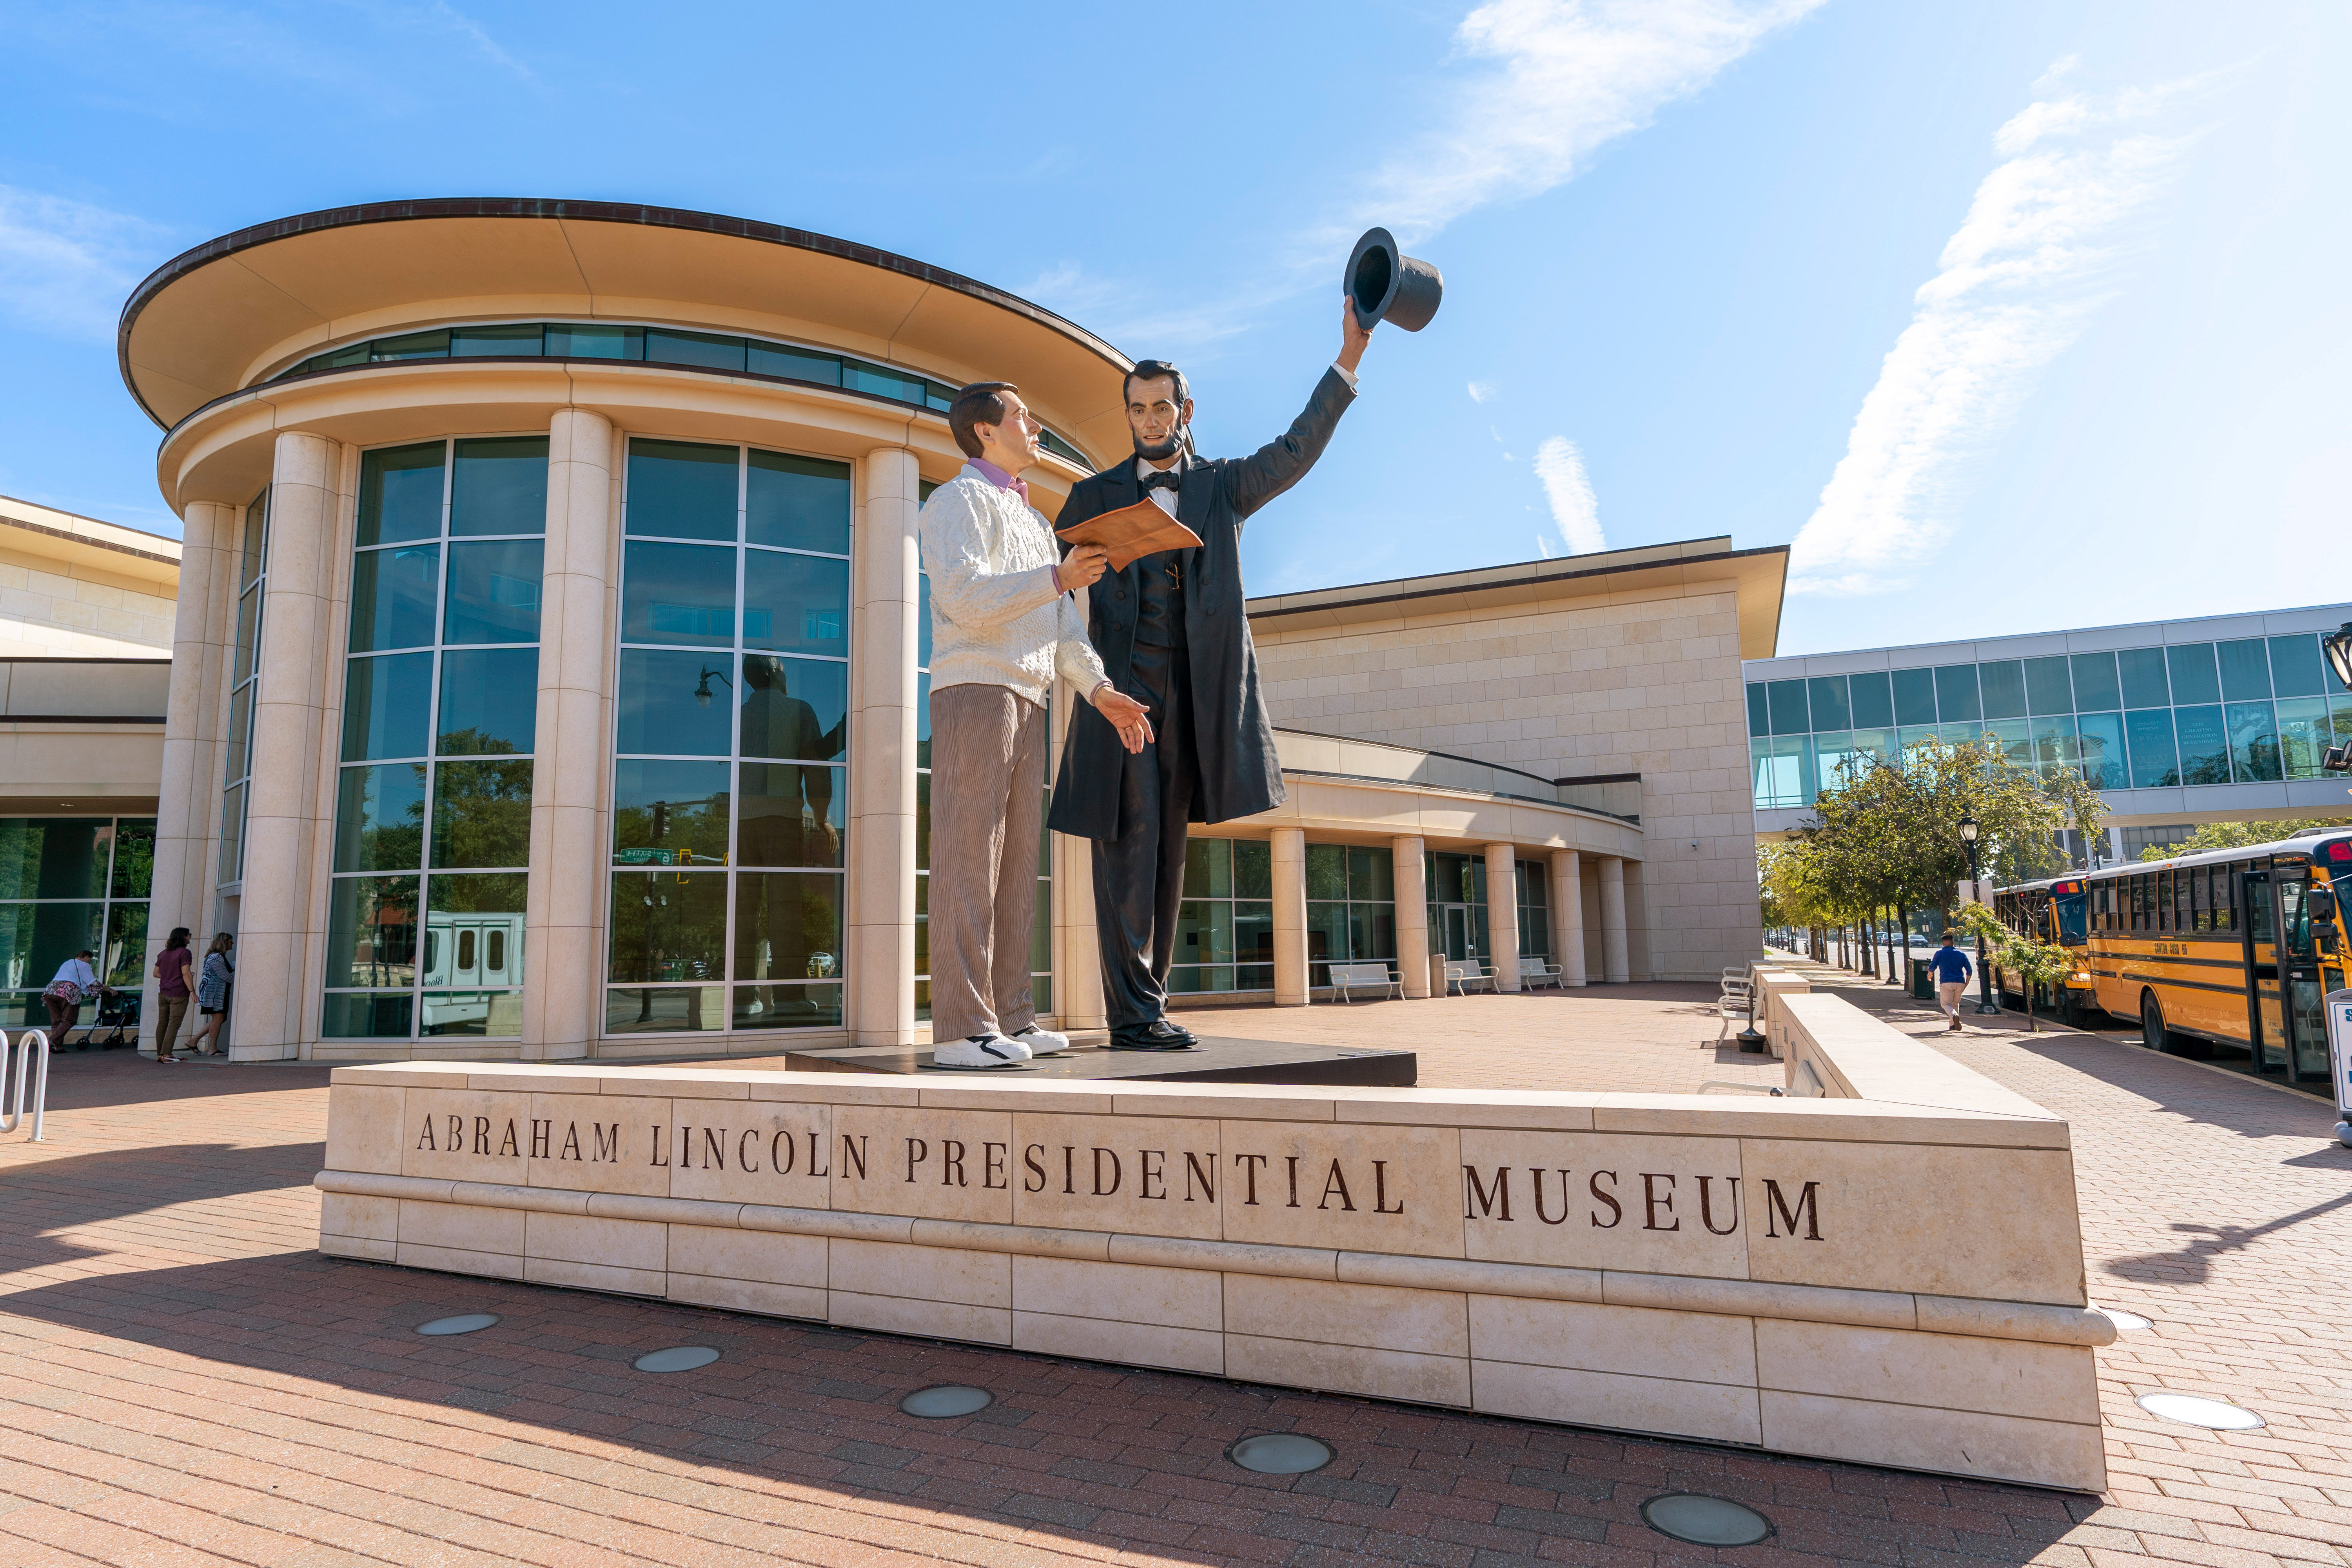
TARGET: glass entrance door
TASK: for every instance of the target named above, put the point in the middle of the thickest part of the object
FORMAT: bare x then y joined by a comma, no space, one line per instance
1460,936
2269,1034
2302,1011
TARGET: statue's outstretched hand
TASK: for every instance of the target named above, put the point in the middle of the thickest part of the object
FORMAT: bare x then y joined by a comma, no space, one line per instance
1354,336
1126,715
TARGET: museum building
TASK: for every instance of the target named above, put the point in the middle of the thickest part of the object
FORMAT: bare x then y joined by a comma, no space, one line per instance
548,670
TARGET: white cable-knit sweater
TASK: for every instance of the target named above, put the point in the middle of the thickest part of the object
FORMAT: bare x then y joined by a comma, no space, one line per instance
996,617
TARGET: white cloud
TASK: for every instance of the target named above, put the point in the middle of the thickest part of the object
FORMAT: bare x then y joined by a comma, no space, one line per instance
1480,391
2019,280
1568,78
65,265
1561,466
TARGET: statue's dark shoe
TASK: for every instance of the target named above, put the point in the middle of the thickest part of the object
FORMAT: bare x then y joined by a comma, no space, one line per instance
1159,1035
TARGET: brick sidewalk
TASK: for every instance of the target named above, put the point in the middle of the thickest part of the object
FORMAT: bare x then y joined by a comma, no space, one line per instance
187,1381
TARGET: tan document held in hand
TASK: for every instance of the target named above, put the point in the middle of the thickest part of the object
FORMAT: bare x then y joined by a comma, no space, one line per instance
1131,533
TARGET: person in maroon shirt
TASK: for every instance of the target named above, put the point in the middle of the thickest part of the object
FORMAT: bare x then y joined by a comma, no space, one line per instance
175,987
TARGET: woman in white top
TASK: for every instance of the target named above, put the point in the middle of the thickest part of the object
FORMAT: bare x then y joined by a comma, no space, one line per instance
74,983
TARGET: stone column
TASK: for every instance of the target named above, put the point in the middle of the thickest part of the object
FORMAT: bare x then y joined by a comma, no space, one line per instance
886,571
562,973
1409,855
1568,916
1293,979
189,794
1615,969
281,812
1503,915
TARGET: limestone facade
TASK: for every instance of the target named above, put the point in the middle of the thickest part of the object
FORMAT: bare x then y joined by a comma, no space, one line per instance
1496,718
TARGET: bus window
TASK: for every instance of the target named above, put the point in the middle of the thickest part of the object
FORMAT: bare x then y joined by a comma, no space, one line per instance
2225,897
2069,911
2164,901
2200,888
2258,910
2295,915
2184,917
465,950
498,950
431,953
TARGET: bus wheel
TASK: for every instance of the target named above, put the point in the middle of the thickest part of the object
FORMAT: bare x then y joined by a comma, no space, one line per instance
2158,1038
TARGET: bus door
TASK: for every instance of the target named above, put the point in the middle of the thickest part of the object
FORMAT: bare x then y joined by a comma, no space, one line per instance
2303,1013
2266,1032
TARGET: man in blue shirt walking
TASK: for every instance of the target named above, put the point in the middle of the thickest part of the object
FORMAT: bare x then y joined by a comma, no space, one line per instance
1951,967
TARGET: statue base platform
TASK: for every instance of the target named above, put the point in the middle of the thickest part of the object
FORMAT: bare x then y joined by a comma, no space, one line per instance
1216,1060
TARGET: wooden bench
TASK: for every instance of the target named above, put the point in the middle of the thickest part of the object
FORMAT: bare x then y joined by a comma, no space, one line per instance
1346,977
1462,975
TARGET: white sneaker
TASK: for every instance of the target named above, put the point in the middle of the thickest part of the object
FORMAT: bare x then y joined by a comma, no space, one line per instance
981,1051
1041,1042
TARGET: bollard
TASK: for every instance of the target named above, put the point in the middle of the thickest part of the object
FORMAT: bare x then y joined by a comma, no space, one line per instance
32,1046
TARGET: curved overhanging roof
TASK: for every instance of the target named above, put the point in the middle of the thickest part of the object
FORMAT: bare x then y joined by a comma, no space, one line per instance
217,318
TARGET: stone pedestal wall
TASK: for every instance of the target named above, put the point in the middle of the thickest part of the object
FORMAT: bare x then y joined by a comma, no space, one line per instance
1897,1279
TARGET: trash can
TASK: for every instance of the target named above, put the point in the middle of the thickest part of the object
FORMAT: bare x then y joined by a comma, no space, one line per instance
1923,980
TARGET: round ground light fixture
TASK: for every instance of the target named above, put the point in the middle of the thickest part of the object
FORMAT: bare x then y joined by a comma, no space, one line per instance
2130,1322
677,1358
943,1401
464,1323
2190,1410
1281,1454
1701,1520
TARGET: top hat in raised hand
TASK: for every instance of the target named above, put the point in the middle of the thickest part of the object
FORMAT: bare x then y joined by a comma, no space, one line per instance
1389,286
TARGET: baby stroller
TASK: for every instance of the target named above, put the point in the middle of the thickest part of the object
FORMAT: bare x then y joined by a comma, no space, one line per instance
118,1012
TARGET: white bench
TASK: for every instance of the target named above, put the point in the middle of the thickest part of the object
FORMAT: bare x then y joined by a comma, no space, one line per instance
1535,971
1346,977
1462,975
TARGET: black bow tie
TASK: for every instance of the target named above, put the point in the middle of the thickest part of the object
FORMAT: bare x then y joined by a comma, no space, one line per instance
1165,479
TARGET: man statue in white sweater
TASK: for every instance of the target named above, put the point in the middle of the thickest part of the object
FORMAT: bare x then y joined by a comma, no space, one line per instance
1002,630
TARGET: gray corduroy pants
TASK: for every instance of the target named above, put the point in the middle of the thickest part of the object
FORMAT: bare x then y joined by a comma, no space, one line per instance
988,783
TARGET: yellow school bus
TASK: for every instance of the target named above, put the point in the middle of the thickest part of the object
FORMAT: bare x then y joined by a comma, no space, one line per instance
2054,910
2227,955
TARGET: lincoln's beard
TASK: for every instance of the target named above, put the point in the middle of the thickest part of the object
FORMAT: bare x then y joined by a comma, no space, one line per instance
1160,451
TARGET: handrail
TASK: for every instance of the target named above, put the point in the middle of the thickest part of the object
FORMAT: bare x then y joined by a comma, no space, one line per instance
31,1044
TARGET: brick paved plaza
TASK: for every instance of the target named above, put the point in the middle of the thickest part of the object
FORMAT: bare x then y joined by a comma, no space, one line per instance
188,1380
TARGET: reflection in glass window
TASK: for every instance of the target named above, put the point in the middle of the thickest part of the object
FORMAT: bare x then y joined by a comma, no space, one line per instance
245,686
433,802
2143,681
1788,701
2155,764
2204,744
2245,670
2104,760
2254,742
2296,667
2304,735
65,884
1955,693
729,820
1224,926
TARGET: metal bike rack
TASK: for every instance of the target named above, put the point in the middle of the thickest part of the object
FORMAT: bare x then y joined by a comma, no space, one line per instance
32,1046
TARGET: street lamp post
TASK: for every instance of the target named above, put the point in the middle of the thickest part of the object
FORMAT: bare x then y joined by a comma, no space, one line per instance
1969,830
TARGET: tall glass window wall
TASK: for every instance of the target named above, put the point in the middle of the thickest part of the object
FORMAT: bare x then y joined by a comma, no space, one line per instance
1534,908
654,345
2248,711
1350,908
1224,926
245,683
729,797
1040,936
69,883
424,925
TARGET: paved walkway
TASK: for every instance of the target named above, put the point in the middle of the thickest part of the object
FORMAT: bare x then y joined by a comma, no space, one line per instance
187,1381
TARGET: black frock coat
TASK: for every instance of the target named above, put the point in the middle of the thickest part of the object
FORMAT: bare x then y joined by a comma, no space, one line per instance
1239,771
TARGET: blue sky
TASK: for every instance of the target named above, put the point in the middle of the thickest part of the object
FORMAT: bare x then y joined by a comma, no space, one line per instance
2008,316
